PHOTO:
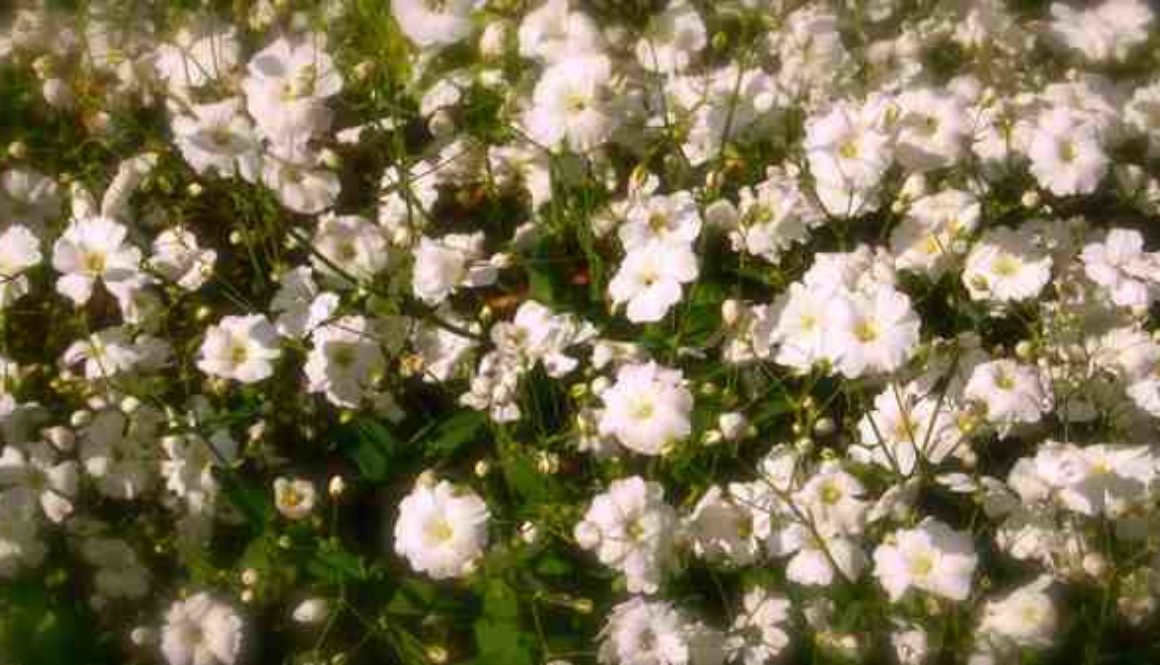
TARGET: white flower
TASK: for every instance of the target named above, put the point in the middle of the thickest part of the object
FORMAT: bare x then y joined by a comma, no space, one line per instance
177,257
349,245
758,635
904,427
198,55
201,631
300,306
218,137
442,352
1012,392
94,249
298,66
449,263
1142,114
672,39
673,218
536,335
650,277
188,466
294,498
301,185
105,353
720,530
809,48
1067,156
817,557
932,129
28,197
286,86
494,388
119,574
631,528
801,320
642,632
118,451
1096,479
1005,265
931,557
910,642
774,215
442,529
1105,31
1024,618
927,237
1120,265
848,155
20,544
871,334
647,409
33,474
831,500
19,251
242,348
344,361
434,24
553,32
572,105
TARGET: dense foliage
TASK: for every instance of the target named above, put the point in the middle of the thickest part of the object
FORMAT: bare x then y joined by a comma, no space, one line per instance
631,332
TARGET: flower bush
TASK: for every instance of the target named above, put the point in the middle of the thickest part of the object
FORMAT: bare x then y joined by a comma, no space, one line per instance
630,332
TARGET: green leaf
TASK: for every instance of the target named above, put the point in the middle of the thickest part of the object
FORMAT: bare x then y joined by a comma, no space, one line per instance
334,564
454,433
553,566
254,504
498,635
414,597
522,476
370,445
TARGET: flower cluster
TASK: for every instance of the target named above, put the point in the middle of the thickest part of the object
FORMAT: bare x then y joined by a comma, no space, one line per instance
617,332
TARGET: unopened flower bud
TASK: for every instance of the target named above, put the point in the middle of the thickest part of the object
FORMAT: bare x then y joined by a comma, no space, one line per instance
482,468
441,124
824,426
363,70
142,636
437,654
733,425
81,418
427,479
1023,350
493,41
61,438
57,93
1095,564
731,311
600,384
329,158
311,611
582,605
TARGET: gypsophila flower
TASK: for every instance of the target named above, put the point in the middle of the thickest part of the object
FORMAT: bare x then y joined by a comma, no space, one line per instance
242,348
202,631
647,409
441,529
